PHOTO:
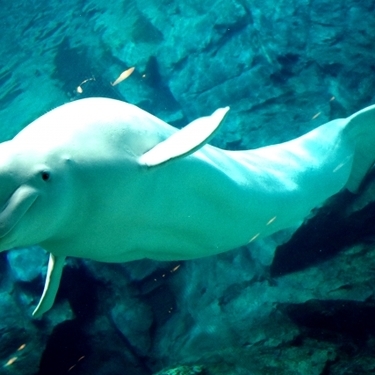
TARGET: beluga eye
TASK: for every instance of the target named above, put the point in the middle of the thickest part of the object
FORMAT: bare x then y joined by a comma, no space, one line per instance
45,175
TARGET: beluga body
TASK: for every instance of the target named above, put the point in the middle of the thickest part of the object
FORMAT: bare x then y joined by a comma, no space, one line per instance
104,180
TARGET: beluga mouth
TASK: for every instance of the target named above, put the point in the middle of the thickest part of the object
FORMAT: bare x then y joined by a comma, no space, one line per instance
16,207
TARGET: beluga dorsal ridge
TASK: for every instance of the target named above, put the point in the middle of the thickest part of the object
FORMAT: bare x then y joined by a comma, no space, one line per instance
104,180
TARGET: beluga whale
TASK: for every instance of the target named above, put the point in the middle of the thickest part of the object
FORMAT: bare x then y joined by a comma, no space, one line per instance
102,179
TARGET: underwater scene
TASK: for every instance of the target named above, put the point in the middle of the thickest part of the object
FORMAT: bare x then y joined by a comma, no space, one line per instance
186,187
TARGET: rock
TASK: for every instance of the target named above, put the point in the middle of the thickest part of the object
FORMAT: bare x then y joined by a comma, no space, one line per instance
22,342
183,370
283,70
133,319
28,263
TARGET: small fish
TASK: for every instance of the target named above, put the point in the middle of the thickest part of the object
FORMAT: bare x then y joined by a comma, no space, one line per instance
79,359
338,167
175,268
21,347
79,88
254,238
11,361
270,221
315,116
123,76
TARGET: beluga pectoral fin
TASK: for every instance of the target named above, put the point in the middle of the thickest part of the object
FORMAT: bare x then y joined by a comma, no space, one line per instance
15,208
51,286
186,141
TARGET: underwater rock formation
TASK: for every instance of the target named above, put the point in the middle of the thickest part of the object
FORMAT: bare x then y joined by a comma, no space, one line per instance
284,70
183,370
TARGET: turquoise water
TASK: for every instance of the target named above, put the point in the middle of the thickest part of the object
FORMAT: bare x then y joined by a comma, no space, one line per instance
298,302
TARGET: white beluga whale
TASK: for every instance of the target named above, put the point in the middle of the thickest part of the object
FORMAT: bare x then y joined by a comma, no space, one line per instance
104,180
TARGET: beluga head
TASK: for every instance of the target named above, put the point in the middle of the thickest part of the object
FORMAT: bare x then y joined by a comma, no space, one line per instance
32,200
